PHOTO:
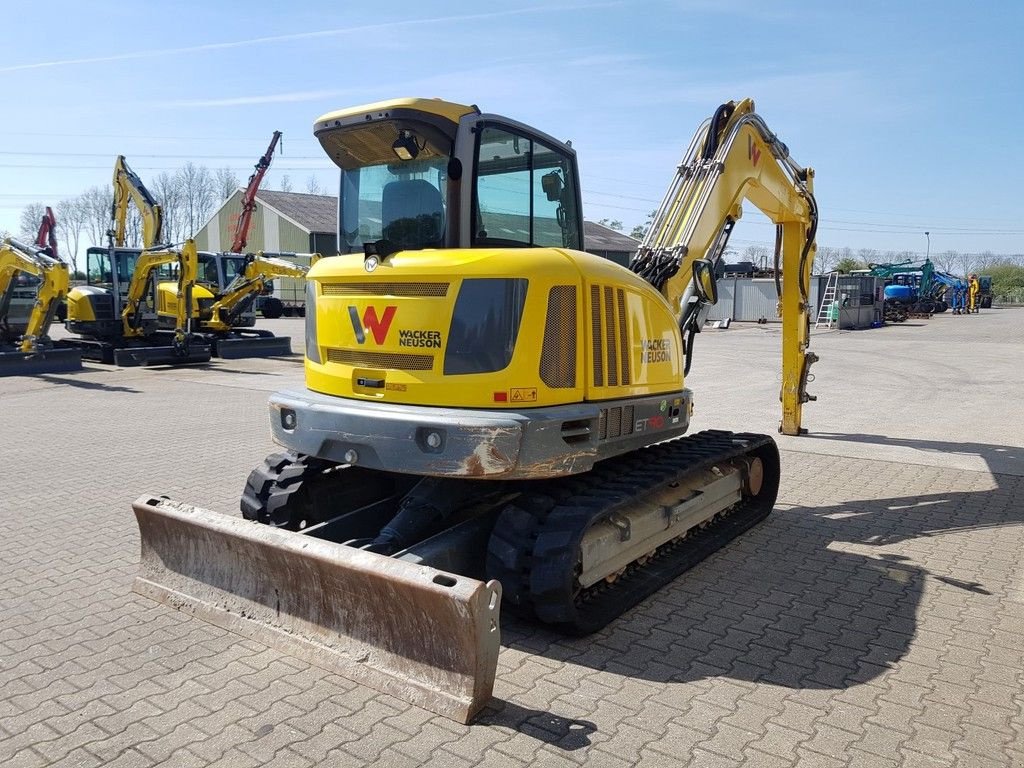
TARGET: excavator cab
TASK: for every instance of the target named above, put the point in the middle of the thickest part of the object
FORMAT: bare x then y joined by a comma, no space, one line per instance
94,310
422,173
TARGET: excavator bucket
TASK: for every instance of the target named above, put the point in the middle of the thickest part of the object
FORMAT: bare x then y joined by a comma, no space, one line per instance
16,363
417,633
161,355
253,344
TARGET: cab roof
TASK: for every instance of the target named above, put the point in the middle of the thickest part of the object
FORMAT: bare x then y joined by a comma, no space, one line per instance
447,110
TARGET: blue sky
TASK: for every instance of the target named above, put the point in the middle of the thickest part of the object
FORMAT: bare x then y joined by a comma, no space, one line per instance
909,113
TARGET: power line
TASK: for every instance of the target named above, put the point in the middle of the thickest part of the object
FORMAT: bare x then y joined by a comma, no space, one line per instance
160,156
152,167
161,138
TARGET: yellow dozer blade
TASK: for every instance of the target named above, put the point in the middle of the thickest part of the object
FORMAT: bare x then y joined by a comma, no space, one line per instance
423,635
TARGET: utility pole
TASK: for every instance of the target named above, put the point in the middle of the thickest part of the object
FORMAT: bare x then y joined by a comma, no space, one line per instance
929,239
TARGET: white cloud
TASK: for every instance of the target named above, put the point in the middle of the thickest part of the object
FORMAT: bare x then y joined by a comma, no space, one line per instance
296,36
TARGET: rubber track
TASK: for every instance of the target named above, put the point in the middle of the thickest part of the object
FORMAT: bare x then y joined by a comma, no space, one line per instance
272,490
534,550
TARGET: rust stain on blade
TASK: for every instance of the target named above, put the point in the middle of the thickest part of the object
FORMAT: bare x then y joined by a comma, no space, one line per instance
428,637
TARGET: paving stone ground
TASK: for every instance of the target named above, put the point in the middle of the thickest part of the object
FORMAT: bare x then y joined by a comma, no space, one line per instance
875,619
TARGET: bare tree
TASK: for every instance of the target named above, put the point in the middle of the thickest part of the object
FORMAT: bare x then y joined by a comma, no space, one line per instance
133,229
286,183
28,225
198,194
947,260
967,263
867,256
984,259
70,223
226,182
825,259
167,191
758,254
313,186
95,204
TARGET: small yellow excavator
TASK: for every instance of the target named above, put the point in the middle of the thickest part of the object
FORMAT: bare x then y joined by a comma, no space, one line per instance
31,351
490,413
229,284
114,314
219,312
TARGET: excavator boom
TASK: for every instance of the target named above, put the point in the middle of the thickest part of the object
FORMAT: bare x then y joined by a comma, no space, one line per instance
128,187
148,262
734,157
249,283
240,239
46,237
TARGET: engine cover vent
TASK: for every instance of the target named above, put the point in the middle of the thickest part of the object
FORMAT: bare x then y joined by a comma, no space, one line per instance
558,354
610,336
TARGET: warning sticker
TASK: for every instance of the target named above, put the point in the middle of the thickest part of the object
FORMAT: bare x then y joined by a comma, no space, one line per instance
523,394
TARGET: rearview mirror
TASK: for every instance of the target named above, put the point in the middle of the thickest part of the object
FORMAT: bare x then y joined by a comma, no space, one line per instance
551,183
704,282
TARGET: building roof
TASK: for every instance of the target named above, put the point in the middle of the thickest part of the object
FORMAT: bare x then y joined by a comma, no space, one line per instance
598,237
314,213
319,213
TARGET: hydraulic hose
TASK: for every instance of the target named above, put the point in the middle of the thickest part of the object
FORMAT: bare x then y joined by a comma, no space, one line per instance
714,129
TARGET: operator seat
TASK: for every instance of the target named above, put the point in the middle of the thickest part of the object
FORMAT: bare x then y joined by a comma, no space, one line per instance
412,214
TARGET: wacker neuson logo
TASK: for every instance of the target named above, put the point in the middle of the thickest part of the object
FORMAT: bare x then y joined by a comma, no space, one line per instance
378,326
428,339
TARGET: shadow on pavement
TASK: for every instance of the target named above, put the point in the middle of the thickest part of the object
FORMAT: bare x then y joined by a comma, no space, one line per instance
563,732
783,604
94,385
999,458
221,368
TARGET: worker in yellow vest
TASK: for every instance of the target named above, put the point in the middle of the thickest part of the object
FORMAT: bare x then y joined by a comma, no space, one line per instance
973,289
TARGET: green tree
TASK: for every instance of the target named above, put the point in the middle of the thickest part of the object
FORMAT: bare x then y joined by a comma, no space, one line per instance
639,232
1007,279
848,264
611,224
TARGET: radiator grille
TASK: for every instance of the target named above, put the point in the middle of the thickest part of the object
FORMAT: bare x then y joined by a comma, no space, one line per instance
623,335
395,360
595,332
610,336
615,422
609,342
558,354
385,289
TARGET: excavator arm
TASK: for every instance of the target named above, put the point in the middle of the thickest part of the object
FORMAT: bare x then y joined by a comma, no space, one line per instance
46,237
735,157
18,257
129,187
249,198
188,270
250,282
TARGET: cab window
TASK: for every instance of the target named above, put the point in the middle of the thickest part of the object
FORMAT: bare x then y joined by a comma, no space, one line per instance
98,271
524,192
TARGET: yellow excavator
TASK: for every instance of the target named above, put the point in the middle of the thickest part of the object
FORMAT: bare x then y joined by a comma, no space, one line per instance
31,351
221,304
490,413
114,314
229,284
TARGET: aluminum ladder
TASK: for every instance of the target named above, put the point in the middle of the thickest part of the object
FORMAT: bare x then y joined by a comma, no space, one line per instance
825,319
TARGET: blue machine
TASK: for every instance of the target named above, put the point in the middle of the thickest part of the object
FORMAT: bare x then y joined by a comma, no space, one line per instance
921,288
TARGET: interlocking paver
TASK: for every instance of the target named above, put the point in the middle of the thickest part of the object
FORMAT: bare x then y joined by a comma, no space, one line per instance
876,618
